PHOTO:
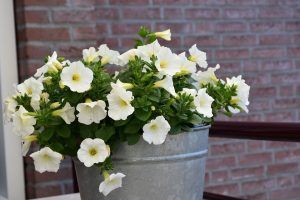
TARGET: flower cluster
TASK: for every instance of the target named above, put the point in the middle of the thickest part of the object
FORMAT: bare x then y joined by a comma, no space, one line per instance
80,110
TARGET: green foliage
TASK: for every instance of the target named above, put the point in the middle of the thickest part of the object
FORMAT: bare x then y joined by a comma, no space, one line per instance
146,37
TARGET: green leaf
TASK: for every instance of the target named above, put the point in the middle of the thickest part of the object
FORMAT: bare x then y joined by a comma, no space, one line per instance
47,134
142,114
121,122
196,119
105,133
133,139
57,147
133,126
85,132
64,132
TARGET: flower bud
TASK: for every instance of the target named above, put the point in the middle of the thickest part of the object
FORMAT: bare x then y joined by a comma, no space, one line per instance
166,35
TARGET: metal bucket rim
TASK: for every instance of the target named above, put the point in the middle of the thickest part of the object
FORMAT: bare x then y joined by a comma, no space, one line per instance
200,127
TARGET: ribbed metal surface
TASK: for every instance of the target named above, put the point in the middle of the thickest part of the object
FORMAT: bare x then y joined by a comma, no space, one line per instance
172,171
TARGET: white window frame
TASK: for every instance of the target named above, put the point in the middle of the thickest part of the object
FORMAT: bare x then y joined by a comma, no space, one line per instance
12,162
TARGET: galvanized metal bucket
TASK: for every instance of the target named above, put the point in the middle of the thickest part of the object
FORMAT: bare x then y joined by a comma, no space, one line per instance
171,171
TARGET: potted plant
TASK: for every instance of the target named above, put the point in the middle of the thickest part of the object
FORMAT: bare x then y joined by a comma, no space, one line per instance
146,125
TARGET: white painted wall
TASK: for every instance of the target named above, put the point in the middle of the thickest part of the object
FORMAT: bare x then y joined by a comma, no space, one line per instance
12,161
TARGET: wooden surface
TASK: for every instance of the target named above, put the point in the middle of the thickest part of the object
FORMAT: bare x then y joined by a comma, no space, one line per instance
257,131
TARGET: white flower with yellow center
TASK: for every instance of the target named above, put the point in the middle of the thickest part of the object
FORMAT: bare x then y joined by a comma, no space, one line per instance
77,77
166,35
90,55
149,50
110,183
91,112
92,151
26,143
108,55
52,65
31,87
185,65
203,103
66,113
23,123
119,102
156,130
46,160
129,55
167,63
205,77
10,105
167,84
198,56
242,97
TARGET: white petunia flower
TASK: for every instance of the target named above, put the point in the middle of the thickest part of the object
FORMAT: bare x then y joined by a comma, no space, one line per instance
23,124
198,56
124,85
185,65
90,55
242,97
30,87
108,56
203,103
189,91
77,77
167,84
52,65
46,160
156,130
166,35
149,50
26,143
206,77
10,105
90,112
167,63
92,151
110,183
66,113
129,55
119,103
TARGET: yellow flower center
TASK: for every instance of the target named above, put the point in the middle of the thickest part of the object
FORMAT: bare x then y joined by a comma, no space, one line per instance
234,100
76,77
154,127
92,151
46,157
163,64
202,102
29,91
123,103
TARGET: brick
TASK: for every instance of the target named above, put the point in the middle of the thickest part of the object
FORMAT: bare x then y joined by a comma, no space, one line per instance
274,13
204,28
260,196
274,39
288,91
238,40
209,2
168,2
267,27
287,155
255,159
294,51
85,33
245,173
234,13
35,16
231,27
141,13
286,103
228,148
219,163
197,13
202,41
131,2
263,91
232,54
258,186
86,2
47,34
121,28
268,53
282,168
44,2
108,13
287,116
227,189
290,193
286,78
255,145
49,190
292,26
257,105
169,13
285,181
277,65
219,176
176,28
33,51
78,16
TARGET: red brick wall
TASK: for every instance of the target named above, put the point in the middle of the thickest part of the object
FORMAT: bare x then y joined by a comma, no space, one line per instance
257,38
